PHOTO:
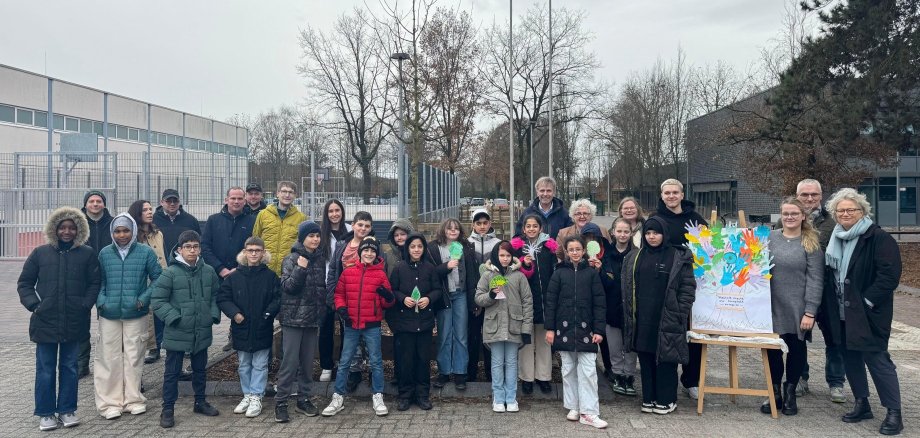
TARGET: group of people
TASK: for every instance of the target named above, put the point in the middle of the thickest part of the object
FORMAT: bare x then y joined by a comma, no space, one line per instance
561,284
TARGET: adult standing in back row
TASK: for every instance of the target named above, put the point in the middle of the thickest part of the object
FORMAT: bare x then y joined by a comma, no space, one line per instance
99,220
547,205
677,213
277,225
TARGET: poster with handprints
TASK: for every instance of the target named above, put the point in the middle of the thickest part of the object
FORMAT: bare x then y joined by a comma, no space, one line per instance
732,270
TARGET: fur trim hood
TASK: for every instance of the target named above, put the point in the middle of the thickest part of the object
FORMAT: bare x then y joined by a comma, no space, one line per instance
514,266
60,215
241,258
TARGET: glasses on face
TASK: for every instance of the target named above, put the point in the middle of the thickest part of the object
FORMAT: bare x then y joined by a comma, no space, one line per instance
809,195
171,201
582,214
793,215
191,247
254,251
848,211
575,250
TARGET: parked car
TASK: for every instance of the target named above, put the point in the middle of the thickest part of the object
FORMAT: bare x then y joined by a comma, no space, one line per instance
464,201
500,204
477,202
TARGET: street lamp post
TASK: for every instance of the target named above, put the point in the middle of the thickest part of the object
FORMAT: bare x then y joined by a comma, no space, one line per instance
532,123
401,148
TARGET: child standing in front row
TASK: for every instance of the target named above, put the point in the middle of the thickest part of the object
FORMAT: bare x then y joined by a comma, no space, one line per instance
575,320
508,322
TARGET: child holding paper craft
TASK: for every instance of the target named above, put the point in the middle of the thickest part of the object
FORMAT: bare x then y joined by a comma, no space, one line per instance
456,267
623,364
505,295
795,287
658,293
537,253
574,321
411,319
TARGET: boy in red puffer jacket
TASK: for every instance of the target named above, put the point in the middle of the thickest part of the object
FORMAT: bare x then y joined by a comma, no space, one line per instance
362,294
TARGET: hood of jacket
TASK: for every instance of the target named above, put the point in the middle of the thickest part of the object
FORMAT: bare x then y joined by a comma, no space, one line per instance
686,208
60,215
133,229
242,261
404,250
401,223
514,266
480,238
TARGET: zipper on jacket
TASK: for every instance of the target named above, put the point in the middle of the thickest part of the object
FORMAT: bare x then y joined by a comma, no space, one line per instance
360,293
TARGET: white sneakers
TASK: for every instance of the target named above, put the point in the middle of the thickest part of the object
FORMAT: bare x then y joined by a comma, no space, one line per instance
664,409
111,414
69,419
255,406
572,415
593,421
512,407
325,376
48,423
244,404
335,406
498,407
693,392
138,409
379,408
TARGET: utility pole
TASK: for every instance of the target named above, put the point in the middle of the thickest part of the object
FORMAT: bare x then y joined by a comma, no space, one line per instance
401,149
551,101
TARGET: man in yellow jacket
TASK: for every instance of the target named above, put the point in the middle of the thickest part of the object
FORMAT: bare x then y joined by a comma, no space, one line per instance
277,224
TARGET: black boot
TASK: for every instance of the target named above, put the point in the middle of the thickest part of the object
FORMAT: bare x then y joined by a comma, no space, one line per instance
892,424
424,402
526,387
861,411
789,404
777,396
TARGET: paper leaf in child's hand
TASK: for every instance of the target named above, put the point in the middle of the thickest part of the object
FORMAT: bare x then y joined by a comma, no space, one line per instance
593,249
497,282
456,251
416,295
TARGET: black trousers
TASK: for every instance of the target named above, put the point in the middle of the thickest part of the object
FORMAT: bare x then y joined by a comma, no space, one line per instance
326,342
474,347
605,355
172,369
883,370
690,375
659,380
795,360
414,364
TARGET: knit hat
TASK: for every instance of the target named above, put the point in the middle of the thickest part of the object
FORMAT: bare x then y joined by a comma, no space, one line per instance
305,229
369,242
93,193
187,236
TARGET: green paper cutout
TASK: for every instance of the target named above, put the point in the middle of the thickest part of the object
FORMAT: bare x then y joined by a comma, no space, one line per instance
593,249
456,251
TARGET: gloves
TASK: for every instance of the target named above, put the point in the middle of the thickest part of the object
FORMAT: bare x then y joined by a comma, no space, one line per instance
525,338
343,315
385,294
492,294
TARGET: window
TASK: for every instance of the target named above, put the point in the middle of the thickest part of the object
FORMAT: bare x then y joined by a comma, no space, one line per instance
122,132
142,135
161,138
41,119
24,117
97,128
72,124
112,130
909,200
189,143
86,126
58,122
132,134
7,114
171,140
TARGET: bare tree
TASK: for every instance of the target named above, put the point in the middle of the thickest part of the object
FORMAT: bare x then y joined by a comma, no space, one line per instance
780,50
274,136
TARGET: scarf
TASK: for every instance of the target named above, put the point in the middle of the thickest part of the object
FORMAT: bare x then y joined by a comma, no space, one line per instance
840,249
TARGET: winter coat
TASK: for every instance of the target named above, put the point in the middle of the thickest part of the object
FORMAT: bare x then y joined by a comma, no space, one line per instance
677,222
333,247
575,307
393,254
334,266
304,297
873,274
155,242
126,282
185,299
469,274
573,231
173,227
675,313
538,279
611,271
225,236
405,277
825,224
60,286
557,219
507,319
254,211
99,234
252,291
279,234
482,245
357,291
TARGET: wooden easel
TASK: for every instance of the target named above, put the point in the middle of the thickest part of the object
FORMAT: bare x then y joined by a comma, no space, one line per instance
734,389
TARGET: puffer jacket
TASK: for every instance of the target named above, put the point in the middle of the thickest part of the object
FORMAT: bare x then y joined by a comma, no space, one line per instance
357,291
334,266
126,282
675,314
252,291
185,298
540,271
173,227
279,234
223,238
394,253
611,271
482,245
575,307
406,276
506,319
304,297
99,235
59,286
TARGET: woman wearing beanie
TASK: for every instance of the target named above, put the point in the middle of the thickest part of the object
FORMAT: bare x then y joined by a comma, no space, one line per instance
658,293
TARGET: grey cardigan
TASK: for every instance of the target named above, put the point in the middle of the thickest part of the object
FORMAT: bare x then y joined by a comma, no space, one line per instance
796,284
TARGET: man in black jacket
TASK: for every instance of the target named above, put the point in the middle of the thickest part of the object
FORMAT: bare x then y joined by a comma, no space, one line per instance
254,201
548,206
100,236
678,212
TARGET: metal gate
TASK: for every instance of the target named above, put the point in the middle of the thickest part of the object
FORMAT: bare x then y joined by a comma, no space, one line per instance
38,183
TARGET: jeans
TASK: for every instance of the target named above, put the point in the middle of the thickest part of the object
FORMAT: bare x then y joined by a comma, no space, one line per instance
579,382
659,379
504,371
351,339
254,371
453,356
158,326
173,367
49,368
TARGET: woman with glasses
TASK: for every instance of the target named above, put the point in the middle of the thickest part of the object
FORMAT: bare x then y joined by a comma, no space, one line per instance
582,212
632,213
863,270
795,287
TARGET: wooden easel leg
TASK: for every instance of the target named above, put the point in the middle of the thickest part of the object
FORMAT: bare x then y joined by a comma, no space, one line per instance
766,372
733,369
702,387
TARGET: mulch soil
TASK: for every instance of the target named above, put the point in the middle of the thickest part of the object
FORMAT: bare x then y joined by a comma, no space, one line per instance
910,264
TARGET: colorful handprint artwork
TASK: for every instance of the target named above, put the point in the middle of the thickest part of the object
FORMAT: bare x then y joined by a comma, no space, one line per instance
732,270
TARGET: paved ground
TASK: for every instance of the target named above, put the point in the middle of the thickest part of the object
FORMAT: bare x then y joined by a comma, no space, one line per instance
467,416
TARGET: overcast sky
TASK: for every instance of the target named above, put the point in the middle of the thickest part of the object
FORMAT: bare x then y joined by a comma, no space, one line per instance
219,58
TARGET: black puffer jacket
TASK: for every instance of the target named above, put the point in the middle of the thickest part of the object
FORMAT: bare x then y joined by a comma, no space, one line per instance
254,292
575,307
100,234
678,301
304,297
611,270
60,286
406,276
542,270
